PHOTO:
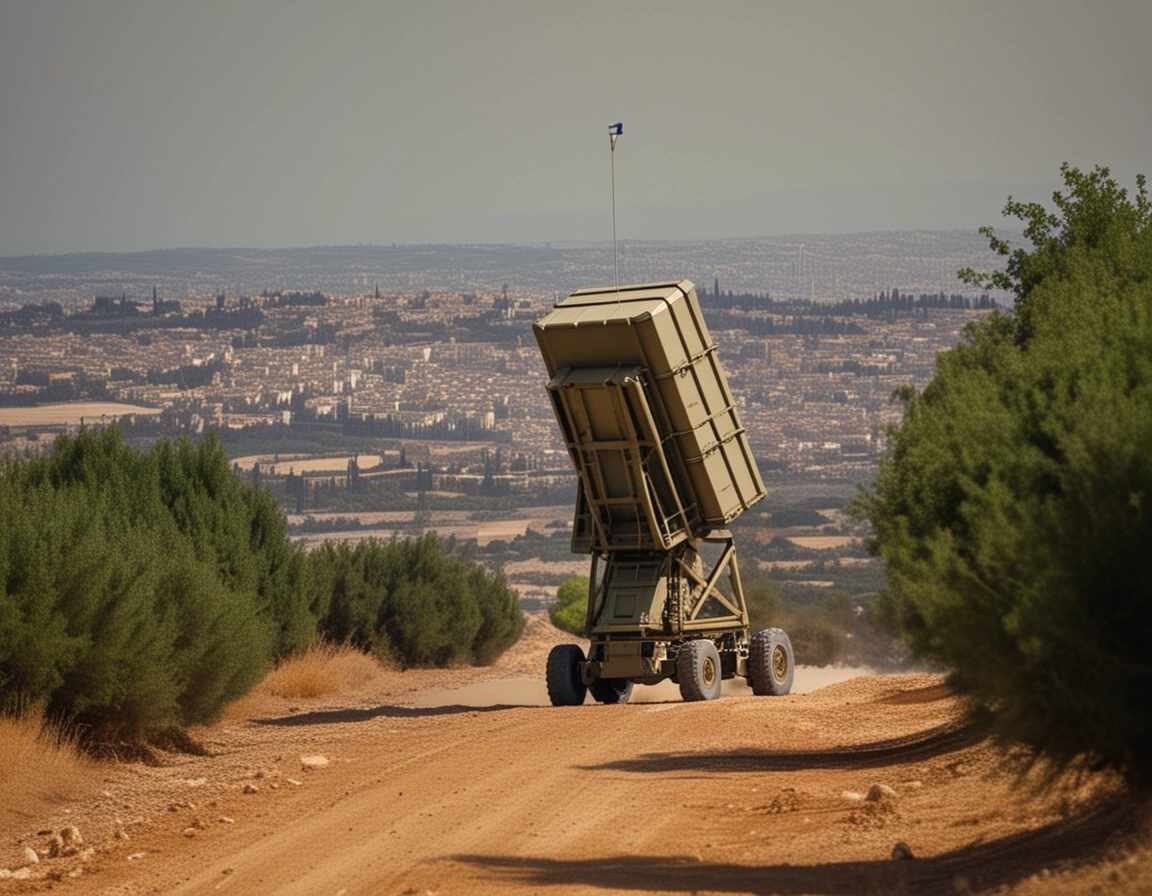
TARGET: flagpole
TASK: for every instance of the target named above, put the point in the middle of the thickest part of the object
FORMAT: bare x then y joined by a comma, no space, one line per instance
614,131
615,264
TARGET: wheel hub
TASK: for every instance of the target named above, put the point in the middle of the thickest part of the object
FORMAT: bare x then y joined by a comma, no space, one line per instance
779,663
708,672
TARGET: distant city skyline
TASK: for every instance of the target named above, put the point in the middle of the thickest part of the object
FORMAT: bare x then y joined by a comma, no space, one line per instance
135,125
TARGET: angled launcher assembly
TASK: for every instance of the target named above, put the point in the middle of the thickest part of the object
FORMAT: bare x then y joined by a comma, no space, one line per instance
663,465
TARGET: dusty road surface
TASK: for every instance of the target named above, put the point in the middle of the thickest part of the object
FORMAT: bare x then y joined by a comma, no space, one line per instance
378,792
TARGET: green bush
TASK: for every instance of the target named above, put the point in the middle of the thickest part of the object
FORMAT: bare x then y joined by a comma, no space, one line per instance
765,602
570,611
113,617
414,602
1014,507
141,592
816,632
241,529
817,639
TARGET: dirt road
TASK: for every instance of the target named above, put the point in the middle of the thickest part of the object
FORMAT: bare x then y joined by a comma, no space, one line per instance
810,793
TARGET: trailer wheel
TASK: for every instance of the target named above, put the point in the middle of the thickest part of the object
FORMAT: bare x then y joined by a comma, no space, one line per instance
771,663
698,670
565,687
611,690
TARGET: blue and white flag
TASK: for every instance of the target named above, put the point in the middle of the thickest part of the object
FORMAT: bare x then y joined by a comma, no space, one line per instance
615,130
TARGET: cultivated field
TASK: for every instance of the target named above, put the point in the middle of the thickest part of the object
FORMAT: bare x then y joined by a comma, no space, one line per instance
71,413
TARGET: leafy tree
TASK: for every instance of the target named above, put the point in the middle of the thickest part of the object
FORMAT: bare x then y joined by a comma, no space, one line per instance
571,608
1014,507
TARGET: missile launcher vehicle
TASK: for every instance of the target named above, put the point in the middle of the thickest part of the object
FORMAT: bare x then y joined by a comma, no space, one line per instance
663,466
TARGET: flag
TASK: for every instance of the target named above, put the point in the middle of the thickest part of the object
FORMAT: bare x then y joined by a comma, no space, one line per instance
615,130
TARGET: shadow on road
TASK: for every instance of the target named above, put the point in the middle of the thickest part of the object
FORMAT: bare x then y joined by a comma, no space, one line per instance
336,716
914,747
976,868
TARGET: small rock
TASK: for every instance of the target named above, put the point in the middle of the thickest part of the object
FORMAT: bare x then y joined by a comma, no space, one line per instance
66,843
293,782
121,834
902,851
879,792
309,762
251,788
852,795
189,832
31,856
22,873
135,857
224,819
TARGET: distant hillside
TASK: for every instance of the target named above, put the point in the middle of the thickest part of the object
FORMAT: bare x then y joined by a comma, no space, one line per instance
819,267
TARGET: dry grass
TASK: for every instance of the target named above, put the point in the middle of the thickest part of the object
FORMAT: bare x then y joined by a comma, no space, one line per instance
322,670
41,768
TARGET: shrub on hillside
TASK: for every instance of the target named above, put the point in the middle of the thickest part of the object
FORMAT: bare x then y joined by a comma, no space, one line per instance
414,602
122,608
765,602
571,608
817,639
1014,508
242,530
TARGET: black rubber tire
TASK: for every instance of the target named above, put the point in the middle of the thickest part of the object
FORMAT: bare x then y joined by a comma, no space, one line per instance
611,690
771,665
698,670
565,688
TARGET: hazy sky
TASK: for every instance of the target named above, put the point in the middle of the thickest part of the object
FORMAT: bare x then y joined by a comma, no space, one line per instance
138,124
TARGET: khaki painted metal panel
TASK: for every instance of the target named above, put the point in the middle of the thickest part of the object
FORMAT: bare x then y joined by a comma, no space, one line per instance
659,326
626,500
